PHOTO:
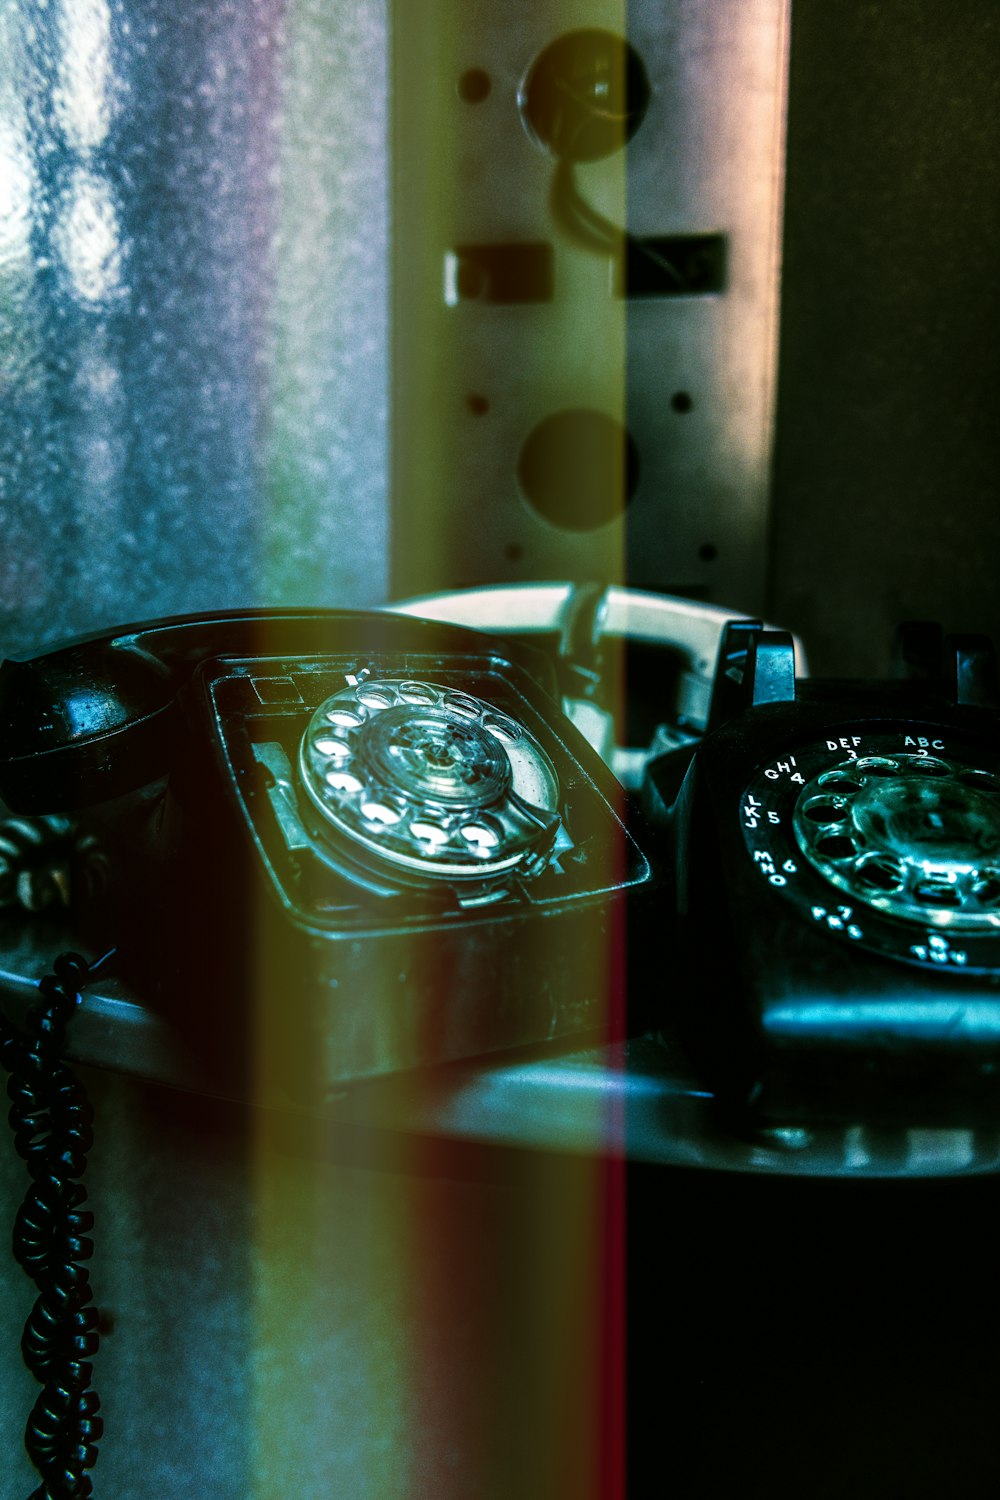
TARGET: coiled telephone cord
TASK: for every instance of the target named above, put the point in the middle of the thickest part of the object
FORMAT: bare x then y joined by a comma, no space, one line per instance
52,1119
49,862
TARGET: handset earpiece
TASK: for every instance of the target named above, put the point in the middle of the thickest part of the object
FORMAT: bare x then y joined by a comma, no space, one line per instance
82,724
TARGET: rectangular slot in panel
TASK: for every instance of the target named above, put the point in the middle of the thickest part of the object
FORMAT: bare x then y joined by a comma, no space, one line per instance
498,273
671,265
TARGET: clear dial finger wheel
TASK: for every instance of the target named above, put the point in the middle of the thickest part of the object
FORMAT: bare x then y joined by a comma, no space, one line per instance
887,835
435,783
915,836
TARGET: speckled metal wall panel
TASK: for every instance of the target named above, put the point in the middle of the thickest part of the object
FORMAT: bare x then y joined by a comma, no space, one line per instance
192,309
886,495
501,400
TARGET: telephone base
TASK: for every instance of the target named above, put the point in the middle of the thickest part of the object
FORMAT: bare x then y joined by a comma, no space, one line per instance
638,1100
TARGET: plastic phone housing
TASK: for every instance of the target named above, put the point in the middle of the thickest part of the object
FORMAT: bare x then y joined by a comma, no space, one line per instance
838,897
288,946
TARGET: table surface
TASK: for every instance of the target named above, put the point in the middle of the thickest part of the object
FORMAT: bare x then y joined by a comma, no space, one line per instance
638,1099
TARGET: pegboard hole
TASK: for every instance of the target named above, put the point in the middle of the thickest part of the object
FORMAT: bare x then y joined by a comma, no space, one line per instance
681,402
474,86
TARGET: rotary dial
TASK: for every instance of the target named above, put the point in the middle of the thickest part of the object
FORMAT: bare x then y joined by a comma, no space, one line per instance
433,782
888,837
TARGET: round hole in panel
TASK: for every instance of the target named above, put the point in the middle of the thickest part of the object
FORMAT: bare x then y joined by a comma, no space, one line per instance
429,833
876,765
879,872
579,469
380,813
585,95
837,784
502,728
835,846
468,708
987,887
824,810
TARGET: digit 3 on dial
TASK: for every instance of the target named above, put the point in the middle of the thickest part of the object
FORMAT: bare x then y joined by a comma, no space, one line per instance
887,837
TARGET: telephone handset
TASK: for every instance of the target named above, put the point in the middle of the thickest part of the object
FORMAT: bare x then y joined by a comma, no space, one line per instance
376,841
634,667
838,878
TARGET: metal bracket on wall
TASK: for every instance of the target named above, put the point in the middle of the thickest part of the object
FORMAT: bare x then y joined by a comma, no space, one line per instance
568,401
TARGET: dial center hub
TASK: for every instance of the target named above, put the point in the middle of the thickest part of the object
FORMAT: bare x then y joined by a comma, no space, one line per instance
429,755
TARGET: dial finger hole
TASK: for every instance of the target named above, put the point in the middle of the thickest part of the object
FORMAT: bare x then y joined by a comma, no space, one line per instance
877,765
418,692
432,834
825,810
835,782
937,893
342,781
983,781
332,749
835,846
879,872
376,695
346,718
381,813
503,728
481,838
987,888
923,765
460,704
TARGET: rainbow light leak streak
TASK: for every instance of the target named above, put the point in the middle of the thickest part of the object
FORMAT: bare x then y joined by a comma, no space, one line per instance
433,1321
425,1323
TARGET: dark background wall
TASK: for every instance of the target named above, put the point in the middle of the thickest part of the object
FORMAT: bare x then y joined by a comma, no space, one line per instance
888,440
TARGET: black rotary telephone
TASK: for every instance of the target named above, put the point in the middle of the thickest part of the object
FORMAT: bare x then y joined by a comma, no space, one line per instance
360,844
837,851
375,842
328,846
